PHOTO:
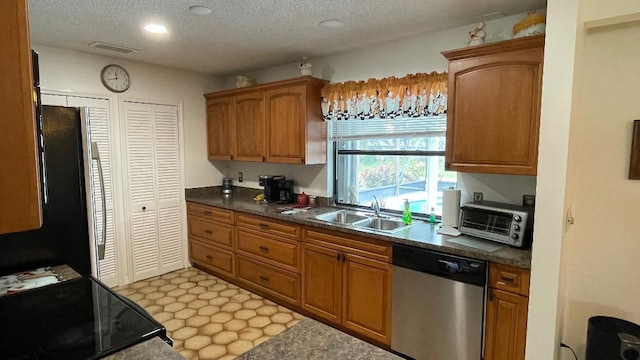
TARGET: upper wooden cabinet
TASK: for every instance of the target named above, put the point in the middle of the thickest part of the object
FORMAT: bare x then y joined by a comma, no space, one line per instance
493,110
220,131
249,136
278,122
20,202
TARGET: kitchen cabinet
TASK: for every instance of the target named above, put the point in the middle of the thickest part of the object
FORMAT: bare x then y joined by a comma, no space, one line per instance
219,128
278,122
249,127
493,109
268,253
211,238
347,280
507,311
20,196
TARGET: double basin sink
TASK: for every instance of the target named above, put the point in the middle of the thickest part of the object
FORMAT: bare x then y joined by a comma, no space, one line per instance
363,221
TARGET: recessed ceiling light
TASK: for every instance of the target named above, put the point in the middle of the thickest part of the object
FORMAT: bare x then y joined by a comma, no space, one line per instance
200,10
332,23
156,29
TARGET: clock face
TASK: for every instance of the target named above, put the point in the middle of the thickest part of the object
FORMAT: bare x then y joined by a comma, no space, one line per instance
115,78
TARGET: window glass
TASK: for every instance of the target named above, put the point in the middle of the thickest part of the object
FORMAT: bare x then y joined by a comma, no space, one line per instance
393,169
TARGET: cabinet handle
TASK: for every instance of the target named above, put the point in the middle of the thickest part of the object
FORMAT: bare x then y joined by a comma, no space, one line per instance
338,257
208,231
144,208
264,278
264,226
262,158
209,257
264,249
510,280
207,212
491,295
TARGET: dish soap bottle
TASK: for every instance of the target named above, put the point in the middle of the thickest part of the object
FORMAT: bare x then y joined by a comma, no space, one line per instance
432,215
406,213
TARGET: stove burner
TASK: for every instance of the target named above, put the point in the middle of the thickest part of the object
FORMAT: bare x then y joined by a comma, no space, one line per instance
75,342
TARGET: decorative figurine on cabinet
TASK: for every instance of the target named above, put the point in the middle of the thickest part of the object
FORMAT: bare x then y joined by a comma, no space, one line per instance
305,66
477,35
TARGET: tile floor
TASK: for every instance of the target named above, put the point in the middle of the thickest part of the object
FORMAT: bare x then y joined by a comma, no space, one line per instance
207,317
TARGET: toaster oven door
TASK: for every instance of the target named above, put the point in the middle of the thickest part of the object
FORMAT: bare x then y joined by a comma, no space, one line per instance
486,224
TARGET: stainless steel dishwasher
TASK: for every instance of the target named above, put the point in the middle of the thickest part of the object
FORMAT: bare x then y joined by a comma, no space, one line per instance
438,304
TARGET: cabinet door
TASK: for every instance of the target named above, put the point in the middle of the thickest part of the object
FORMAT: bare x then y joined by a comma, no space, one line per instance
19,169
219,128
249,127
506,327
286,124
367,297
322,282
494,111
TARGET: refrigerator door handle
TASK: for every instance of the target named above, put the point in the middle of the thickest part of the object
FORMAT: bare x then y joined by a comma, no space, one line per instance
95,155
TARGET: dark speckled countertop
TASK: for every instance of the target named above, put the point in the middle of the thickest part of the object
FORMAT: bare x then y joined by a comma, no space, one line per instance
315,341
421,234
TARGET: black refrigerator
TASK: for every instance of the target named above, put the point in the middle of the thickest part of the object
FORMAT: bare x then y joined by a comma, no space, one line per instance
64,235
71,318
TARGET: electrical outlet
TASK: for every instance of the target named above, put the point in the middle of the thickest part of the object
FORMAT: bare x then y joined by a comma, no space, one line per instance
528,200
478,196
240,176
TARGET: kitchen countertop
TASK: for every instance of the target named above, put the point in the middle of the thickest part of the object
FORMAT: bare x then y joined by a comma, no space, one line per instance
421,234
152,349
311,339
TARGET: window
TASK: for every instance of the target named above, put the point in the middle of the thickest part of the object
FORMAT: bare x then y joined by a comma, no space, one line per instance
393,160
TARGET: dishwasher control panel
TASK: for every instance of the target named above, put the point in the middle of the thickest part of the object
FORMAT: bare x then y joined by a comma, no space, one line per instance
455,267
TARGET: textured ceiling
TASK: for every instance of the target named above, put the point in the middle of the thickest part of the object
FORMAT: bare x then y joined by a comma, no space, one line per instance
244,35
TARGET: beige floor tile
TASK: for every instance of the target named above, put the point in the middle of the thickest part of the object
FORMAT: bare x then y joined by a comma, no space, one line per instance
207,317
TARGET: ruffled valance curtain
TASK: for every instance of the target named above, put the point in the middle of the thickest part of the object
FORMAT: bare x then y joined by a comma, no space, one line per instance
415,95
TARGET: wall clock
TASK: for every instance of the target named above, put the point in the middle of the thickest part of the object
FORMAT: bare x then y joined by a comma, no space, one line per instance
115,78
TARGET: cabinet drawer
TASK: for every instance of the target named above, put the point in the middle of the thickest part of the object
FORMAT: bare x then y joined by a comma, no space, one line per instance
283,253
268,226
357,245
211,213
509,278
209,231
279,283
213,258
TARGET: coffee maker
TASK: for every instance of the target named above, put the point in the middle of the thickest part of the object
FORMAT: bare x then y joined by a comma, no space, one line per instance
285,191
271,186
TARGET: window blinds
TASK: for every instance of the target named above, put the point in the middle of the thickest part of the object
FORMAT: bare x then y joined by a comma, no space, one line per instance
355,129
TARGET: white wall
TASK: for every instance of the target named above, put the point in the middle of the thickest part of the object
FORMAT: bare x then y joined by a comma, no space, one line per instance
602,265
76,72
398,58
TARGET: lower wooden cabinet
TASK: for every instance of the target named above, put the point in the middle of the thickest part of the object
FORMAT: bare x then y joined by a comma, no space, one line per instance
280,283
341,278
348,289
322,282
213,258
507,311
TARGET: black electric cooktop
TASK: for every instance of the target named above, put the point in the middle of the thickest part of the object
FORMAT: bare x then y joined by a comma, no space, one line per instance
76,319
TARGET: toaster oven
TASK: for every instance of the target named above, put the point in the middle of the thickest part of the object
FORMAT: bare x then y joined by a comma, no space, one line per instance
504,223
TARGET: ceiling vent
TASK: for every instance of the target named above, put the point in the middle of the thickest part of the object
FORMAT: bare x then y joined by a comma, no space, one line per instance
111,47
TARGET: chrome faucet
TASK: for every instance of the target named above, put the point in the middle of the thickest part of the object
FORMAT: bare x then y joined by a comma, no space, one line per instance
375,205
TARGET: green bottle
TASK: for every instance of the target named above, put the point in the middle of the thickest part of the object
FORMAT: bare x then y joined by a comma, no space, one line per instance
432,216
406,213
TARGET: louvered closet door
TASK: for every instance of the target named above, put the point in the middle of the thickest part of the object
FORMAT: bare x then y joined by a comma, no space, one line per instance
167,157
100,132
153,178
